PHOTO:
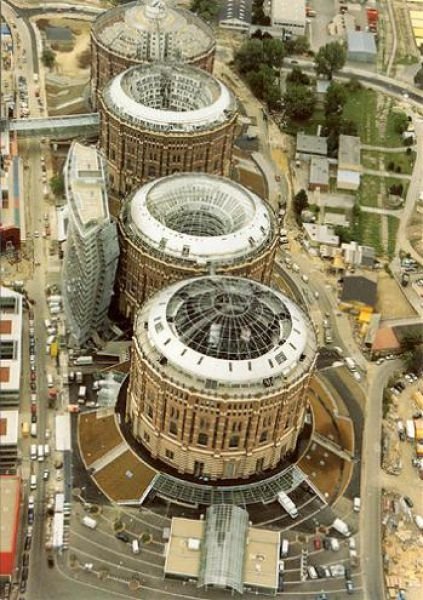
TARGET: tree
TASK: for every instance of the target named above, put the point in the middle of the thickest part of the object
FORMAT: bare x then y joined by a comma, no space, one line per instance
300,204
330,58
335,99
264,86
418,78
413,359
299,45
299,102
48,58
250,56
400,120
57,185
273,53
344,234
297,76
207,9
258,16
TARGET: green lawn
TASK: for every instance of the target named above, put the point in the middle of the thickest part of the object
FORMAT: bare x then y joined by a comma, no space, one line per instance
392,138
368,231
368,191
361,108
310,126
401,159
393,224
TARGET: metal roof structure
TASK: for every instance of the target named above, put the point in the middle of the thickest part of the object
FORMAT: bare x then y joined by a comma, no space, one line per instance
169,97
222,554
153,30
228,329
199,218
264,491
361,42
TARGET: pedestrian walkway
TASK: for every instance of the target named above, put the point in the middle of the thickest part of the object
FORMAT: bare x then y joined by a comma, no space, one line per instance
385,149
381,211
386,174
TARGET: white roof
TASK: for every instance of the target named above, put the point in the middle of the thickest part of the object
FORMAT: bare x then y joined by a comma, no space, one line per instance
226,329
344,176
63,433
321,234
10,426
288,11
187,87
85,181
201,218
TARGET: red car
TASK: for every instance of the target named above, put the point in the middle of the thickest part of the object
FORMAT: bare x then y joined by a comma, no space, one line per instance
33,409
317,542
33,376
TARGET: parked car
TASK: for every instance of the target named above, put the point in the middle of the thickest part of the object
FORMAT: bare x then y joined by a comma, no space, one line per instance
326,543
349,586
123,537
408,501
317,543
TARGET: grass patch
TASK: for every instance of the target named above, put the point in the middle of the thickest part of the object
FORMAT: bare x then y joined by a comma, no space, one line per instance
310,126
392,138
361,108
370,159
368,232
393,224
368,190
407,59
402,160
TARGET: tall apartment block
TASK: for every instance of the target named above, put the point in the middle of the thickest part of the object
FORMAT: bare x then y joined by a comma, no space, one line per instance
92,248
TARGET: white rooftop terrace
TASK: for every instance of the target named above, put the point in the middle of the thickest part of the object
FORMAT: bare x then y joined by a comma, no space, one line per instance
229,330
169,97
200,218
85,183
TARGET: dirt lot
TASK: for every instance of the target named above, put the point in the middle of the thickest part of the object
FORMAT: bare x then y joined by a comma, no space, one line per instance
390,300
67,81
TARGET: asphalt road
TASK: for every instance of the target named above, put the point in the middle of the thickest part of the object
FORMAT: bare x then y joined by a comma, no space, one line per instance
370,526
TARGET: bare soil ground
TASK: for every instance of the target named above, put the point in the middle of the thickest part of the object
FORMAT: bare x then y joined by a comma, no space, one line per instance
390,300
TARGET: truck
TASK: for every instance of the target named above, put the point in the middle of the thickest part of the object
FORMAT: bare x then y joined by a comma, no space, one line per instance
89,522
40,452
287,504
341,527
350,363
84,360
410,430
82,394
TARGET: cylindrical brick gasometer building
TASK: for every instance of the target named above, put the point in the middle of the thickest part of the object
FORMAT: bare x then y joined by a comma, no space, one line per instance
161,119
143,32
219,376
184,225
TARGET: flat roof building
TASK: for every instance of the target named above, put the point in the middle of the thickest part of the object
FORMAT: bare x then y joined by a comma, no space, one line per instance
224,551
92,250
289,16
320,235
9,427
10,346
319,173
10,499
164,118
361,46
184,224
349,162
311,145
143,32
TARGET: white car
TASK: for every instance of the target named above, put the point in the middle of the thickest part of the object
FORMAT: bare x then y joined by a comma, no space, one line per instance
36,234
380,361
357,376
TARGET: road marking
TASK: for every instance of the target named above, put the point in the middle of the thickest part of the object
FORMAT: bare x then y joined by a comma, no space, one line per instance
125,556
